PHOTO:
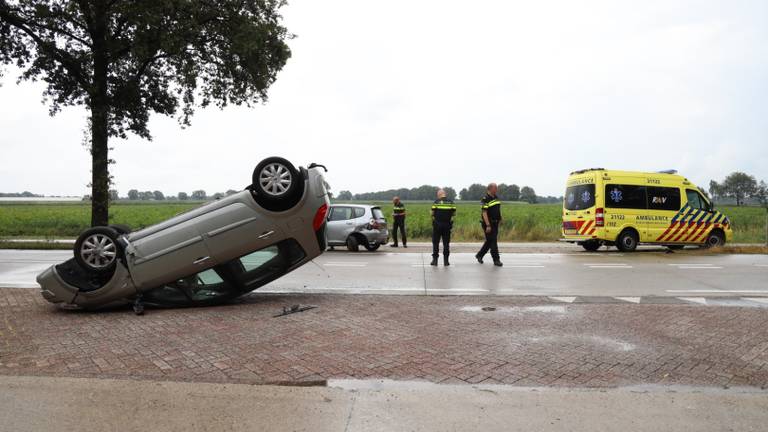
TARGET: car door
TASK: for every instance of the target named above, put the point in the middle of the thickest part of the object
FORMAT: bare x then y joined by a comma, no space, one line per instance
625,207
663,208
704,219
339,224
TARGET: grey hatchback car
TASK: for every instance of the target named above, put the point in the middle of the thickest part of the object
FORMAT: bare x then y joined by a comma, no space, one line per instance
208,255
353,225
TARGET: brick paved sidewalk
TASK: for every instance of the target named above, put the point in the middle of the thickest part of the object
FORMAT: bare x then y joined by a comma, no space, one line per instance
525,341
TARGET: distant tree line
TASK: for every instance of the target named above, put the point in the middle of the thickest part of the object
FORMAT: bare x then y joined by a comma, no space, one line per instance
137,195
739,188
24,194
474,192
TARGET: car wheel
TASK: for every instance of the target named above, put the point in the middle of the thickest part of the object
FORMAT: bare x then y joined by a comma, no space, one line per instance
277,183
627,241
372,247
591,245
352,244
97,250
715,239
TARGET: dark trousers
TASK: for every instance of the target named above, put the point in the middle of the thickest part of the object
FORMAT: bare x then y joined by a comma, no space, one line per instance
441,230
491,241
399,224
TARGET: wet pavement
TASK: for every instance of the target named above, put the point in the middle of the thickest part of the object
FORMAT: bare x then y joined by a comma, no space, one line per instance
606,274
520,341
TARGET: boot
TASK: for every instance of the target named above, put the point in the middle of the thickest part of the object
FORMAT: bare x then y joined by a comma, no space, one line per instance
479,258
497,262
434,261
445,261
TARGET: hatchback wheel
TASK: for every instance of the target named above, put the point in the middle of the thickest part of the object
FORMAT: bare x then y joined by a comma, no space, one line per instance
352,244
627,241
97,250
372,247
277,183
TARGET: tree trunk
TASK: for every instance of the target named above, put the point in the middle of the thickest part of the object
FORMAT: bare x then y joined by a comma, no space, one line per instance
766,226
99,104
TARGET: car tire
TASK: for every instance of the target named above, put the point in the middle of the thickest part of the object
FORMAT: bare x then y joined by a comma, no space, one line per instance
97,250
627,241
277,184
352,244
372,247
715,239
591,245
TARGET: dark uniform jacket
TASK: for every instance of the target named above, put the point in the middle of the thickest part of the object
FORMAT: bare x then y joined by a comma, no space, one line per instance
443,210
399,211
492,205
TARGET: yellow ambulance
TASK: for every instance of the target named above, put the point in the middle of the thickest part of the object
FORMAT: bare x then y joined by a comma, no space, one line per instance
625,208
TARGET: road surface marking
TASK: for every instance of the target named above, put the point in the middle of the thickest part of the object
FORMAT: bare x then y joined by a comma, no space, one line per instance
563,299
715,291
684,267
611,266
345,264
523,266
761,265
756,299
700,300
629,299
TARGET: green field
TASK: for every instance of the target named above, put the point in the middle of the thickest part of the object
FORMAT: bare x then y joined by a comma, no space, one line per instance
522,222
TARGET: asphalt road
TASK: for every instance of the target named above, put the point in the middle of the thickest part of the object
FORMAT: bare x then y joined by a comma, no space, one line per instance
609,274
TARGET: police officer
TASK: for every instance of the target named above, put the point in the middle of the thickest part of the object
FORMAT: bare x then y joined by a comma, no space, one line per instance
491,217
398,215
443,210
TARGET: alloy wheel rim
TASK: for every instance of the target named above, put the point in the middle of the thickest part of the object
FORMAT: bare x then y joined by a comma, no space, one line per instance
275,179
98,251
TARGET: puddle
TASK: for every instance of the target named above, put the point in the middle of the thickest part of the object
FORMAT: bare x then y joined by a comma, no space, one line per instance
555,309
608,343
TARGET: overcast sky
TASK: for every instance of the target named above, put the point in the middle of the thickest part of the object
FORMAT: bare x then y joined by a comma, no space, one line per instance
404,93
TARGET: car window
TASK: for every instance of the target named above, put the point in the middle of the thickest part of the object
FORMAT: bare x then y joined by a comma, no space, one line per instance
377,213
340,213
358,212
625,196
259,258
580,197
696,201
663,198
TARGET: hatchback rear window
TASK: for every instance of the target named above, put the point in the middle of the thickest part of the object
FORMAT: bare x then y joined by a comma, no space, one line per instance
377,213
579,197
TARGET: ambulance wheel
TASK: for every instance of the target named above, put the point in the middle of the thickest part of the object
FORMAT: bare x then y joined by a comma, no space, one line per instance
715,239
627,241
591,245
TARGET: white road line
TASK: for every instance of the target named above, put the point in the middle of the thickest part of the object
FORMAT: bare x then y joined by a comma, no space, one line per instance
611,266
605,264
629,299
345,264
716,291
756,299
690,264
761,265
564,299
523,266
698,267
699,300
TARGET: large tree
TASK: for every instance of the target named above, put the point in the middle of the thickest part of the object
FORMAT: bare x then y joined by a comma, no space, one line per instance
125,59
739,185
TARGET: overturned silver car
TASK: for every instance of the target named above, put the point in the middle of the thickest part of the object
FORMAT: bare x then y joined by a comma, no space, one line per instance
208,255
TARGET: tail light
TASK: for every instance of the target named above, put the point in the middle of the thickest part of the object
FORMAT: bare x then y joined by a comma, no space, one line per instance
320,216
599,217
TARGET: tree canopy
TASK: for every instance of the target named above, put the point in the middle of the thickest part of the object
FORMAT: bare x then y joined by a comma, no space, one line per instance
123,60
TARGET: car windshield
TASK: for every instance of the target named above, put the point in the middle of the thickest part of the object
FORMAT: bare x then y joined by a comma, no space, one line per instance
230,279
579,197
